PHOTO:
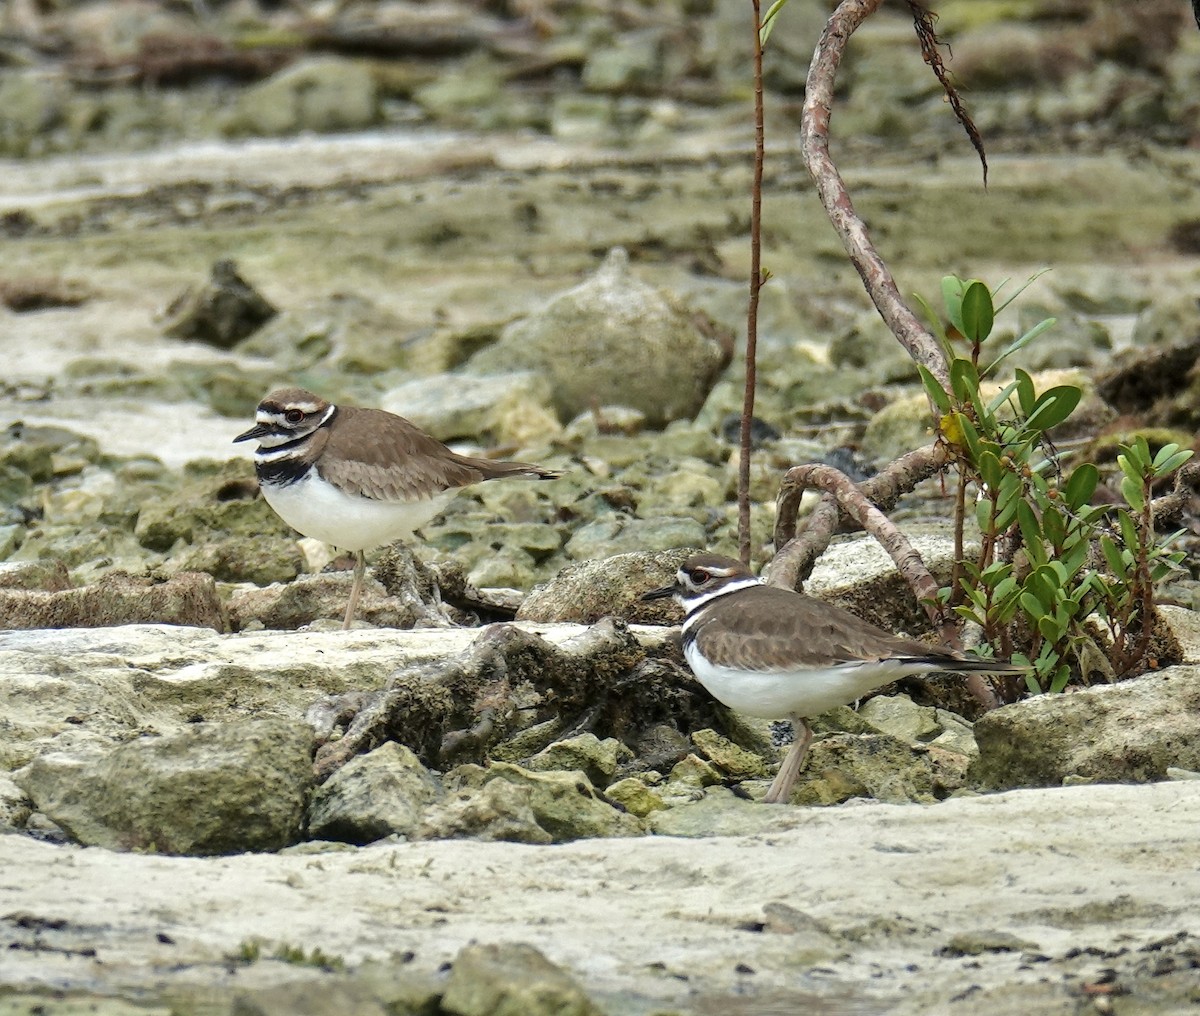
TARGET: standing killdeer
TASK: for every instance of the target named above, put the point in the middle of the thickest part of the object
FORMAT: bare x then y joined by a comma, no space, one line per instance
358,478
776,654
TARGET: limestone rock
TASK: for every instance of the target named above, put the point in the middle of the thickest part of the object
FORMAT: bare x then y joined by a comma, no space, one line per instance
220,313
345,332
243,559
215,788
730,758
614,339
617,533
293,605
596,759
15,805
498,810
692,773
451,406
1130,732
47,576
321,94
38,454
608,587
116,683
635,796
564,804
899,716
718,812
186,599
864,765
512,979
382,793
212,499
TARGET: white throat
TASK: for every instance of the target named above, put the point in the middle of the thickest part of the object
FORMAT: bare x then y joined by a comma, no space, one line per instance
694,601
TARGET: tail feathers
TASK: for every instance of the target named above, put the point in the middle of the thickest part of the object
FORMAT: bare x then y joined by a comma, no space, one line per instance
525,469
496,470
954,664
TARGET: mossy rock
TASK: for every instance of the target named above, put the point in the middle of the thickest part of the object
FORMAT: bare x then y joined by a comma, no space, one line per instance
221,501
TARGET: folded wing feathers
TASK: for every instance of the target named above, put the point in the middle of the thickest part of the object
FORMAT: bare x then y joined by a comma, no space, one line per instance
366,463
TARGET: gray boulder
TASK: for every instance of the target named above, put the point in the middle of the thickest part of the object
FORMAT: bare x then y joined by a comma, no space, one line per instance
614,340
215,788
563,805
510,979
322,94
186,599
382,793
608,587
1130,732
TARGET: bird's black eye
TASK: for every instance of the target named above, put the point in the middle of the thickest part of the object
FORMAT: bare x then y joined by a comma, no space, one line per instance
294,415
700,575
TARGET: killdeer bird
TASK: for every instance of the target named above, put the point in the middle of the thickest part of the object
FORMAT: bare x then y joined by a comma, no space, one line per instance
358,478
777,654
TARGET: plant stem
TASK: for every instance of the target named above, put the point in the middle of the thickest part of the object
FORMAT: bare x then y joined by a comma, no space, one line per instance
755,285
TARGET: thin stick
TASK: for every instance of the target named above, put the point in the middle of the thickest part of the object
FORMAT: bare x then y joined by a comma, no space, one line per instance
755,285
831,188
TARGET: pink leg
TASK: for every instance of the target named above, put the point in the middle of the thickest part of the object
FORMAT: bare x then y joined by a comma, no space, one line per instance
360,569
781,787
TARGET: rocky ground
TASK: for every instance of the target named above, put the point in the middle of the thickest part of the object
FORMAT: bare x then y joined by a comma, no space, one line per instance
427,207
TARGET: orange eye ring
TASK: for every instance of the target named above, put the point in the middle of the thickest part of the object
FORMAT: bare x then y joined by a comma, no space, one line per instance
293,416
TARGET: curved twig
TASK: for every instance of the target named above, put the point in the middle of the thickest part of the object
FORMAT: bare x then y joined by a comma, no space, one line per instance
814,146
851,499
796,554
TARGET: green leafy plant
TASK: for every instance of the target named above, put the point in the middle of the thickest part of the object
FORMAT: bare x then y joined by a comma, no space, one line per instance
1049,560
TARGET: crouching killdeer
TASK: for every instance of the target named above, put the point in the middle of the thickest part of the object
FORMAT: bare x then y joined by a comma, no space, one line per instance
358,478
776,654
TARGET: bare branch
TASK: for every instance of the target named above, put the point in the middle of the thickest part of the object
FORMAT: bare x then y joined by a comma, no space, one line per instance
756,281
795,555
814,145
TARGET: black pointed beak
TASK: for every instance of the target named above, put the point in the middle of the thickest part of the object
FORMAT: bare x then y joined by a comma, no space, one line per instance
659,594
258,430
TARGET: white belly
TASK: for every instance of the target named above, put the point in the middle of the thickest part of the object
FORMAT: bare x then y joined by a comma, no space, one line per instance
318,509
774,695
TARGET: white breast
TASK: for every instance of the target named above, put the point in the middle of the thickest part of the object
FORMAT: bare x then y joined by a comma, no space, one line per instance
777,694
318,509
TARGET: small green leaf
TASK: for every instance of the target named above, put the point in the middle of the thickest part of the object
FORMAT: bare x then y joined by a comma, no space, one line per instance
1113,557
1053,527
1020,343
933,388
1081,486
1131,491
1129,531
990,470
1061,676
1130,466
952,292
1002,397
1031,529
978,314
964,380
1171,463
768,21
1054,406
936,328
1020,289
1025,391
1043,583
983,515
1050,629
1031,605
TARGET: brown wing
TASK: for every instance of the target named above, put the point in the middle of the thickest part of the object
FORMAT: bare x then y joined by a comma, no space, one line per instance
382,456
771,624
